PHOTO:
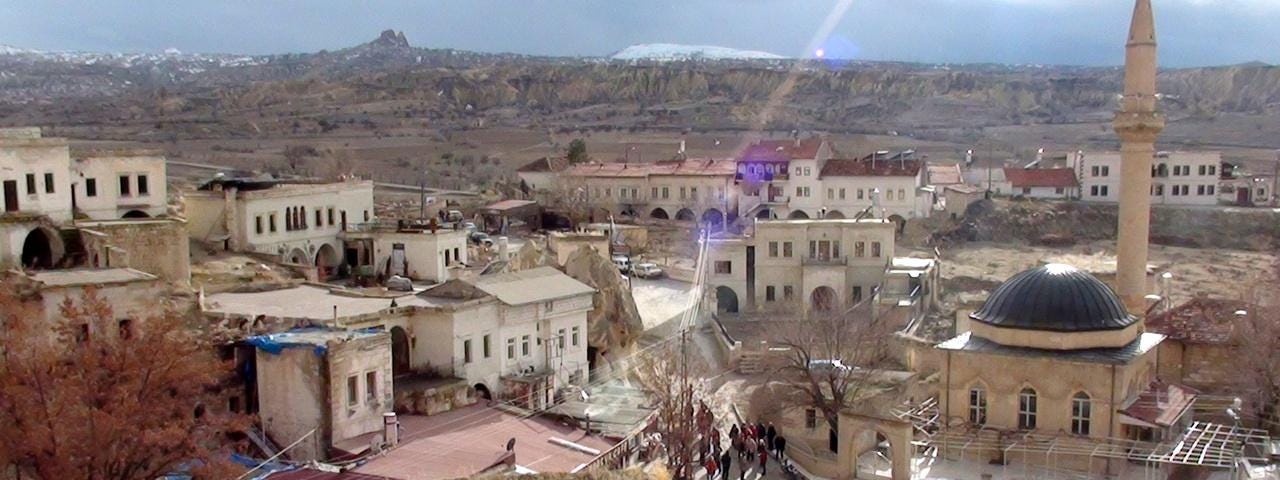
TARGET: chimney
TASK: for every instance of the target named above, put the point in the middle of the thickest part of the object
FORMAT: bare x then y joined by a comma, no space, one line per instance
390,429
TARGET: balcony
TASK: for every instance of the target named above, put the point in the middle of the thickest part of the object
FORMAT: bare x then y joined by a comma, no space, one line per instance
760,177
827,261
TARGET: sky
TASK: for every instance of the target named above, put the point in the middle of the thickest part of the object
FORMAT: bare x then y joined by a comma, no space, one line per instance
1063,32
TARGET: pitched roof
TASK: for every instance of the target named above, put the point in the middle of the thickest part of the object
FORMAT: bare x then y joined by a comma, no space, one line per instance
782,150
1199,320
844,167
1041,177
545,164
1161,403
944,174
687,167
533,285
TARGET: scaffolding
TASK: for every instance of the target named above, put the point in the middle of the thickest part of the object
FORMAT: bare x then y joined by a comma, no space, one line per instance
1202,444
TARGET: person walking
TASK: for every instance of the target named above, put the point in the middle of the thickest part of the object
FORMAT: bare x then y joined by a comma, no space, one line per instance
726,462
711,468
764,458
780,446
769,434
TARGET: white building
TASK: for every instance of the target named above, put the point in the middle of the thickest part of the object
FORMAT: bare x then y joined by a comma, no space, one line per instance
298,222
800,265
851,185
1048,183
520,336
418,252
1178,178
112,184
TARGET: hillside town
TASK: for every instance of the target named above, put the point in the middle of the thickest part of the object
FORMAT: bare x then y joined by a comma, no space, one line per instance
789,307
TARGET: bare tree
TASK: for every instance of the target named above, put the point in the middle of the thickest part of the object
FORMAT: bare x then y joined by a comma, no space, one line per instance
100,398
1258,337
832,359
338,164
571,197
674,383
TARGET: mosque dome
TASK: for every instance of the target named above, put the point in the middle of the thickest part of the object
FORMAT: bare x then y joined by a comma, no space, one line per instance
1054,298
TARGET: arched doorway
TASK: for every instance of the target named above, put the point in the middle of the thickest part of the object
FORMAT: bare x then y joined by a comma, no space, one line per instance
713,219
659,214
327,260
399,352
39,250
764,214
726,300
823,299
298,257
136,214
483,392
836,214
685,215
899,221
798,215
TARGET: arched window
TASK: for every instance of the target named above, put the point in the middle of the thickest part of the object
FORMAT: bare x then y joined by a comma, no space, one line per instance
1081,409
977,405
1027,409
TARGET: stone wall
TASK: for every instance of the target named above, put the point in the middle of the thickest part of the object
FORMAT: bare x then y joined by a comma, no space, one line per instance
156,246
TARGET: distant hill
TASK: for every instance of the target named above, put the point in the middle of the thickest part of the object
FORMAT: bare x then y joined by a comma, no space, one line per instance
673,52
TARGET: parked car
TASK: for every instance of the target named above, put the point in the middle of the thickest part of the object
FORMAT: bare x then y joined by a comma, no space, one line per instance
481,238
647,270
623,263
827,367
454,216
469,226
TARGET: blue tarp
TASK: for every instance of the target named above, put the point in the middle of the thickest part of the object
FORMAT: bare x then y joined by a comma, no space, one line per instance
274,343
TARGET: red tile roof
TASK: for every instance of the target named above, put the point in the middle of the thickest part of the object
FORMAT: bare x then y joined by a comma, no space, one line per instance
689,167
1161,403
782,150
866,168
1199,320
545,164
463,442
1041,177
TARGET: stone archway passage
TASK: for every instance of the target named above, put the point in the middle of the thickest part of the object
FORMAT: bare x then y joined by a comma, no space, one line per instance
399,351
38,250
136,214
298,257
726,300
824,299
798,215
835,214
713,219
764,214
685,215
482,391
659,214
899,221
327,260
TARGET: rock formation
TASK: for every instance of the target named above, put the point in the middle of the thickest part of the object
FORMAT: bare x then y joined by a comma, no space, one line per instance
613,324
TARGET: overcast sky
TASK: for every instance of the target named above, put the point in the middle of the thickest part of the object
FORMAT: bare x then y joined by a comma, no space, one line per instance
1078,32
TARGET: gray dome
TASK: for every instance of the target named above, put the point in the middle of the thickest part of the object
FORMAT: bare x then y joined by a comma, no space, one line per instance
1054,297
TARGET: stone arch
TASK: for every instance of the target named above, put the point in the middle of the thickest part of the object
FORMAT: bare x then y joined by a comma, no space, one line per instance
659,214
835,214
685,215
726,300
764,214
865,439
824,299
42,248
297,256
399,351
798,215
899,221
713,219
327,260
482,391
135,214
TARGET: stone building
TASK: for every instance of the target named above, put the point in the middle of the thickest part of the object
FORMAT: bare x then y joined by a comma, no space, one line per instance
296,221
1177,178
1053,351
420,252
326,389
120,183
799,265
1201,342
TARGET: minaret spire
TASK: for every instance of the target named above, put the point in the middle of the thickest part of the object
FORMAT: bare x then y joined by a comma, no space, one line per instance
1137,123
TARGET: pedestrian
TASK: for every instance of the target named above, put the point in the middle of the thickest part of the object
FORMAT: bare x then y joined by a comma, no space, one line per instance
769,434
733,432
711,468
725,463
780,445
764,458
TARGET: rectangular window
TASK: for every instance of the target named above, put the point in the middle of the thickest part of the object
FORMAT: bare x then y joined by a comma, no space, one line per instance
143,188
31,184
1080,414
353,390
859,194
1027,410
319,218
371,387
124,186
857,294
806,171
875,249
835,249
82,333
1209,189
124,328
90,187
666,193
799,190
48,183
330,216
653,192
466,351
511,348
1106,171
797,171
1202,169
859,249
788,293
1094,171
831,194
842,194
366,215
575,336
1103,189
786,249
524,345
810,418
271,222
1213,169
977,406
769,294
257,224
813,249
1200,188
773,249
608,192
1058,190
724,267
484,346
560,339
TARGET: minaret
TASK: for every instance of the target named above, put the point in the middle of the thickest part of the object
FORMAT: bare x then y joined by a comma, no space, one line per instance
1137,123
